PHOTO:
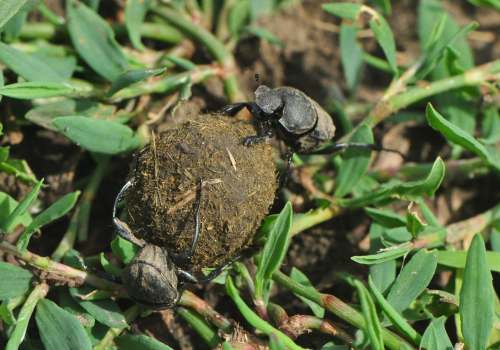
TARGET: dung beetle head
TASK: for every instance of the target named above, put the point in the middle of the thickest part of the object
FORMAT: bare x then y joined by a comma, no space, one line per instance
151,278
268,100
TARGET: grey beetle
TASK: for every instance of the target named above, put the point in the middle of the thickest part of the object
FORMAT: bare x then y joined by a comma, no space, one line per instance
297,119
155,277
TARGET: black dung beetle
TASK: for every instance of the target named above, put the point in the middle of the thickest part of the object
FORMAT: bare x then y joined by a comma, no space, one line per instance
297,119
155,277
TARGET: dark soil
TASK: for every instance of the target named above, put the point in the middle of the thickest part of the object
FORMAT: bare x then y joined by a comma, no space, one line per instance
308,60
239,185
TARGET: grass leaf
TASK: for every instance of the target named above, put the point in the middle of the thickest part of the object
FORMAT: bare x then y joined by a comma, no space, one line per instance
412,280
343,10
16,281
139,341
458,258
135,11
351,55
385,218
8,9
105,311
35,89
100,136
394,316
299,277
58,209
458,136
28,66
94,40
385,255
372,323
131,77
123,249
355,162
275,343
59,329
435,336
385,38
7,206
18,334
477,297
44,114
410,190
253,319
9,224
275,249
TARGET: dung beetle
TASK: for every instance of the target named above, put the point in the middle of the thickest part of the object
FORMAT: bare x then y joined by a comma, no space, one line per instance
155,276
297,119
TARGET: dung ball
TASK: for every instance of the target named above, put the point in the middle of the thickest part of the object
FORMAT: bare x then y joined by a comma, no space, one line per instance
238,185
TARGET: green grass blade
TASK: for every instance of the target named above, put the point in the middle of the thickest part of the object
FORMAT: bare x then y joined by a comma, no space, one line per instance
252,318
123,249
139,341
22,207
105,311
385,38
408,190
200,325
59,329
458,136
100,136
458,259
413,279
435,336
16,281
94,41
28,66
372,323
35,89
387,254
19,332
395,317
355,162
299,277
8,9
58,209
351,55
274,250
476,297
343,10
135,11
131,77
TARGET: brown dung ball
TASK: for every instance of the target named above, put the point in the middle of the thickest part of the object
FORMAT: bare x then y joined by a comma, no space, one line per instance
239,185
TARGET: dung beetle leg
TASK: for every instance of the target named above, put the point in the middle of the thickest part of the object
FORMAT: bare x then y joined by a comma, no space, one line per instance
121,227
337,147
234,108
265,131
197,218
286,172
185,258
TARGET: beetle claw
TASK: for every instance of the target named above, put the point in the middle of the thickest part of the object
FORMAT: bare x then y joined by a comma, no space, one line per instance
253,140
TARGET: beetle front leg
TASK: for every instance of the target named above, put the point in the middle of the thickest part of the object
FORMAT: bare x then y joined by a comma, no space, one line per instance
264,132
233,109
